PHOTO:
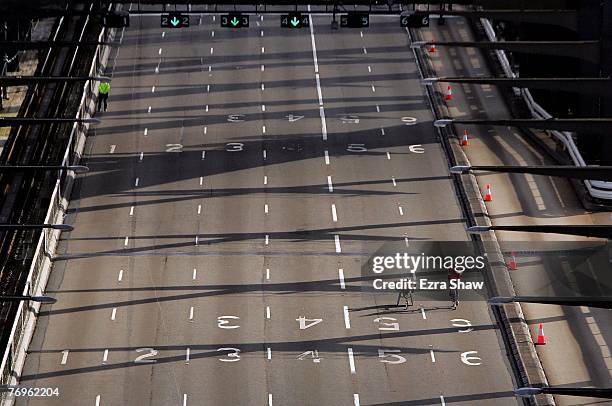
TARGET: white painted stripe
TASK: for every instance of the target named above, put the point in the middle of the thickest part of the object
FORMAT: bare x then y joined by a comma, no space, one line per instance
263,50
203,155
211,50
120,277
64,357
97,400
319,90
187,355
114,313
269,394
105,356
401,211
369,69
268,274
141,157
267,239
330,185
208,88
423,313
160,51
365,51
263,87
184,399
347,319
199,209
266,208
361,33
442,402
341,277
373,89
394,182
432,355
136,182
267,312
153,89
388,155
212,33
149,109
326,157
201,180
191,313
265,154
377,108
337,241
163,34
351,360
323,123
146,131
197,240
205,130
269,350
263,107
195,274
263,68
131,211
265,180
125,242
382,131
334,213
206,109
263,129
356,399
261,33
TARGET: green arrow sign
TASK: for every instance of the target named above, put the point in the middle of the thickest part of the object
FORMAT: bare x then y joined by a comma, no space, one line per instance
235,21
295,21
175,21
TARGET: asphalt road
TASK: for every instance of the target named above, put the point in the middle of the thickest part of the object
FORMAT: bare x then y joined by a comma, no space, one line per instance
238,184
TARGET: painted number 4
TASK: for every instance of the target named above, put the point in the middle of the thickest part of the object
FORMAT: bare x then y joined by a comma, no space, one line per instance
307,323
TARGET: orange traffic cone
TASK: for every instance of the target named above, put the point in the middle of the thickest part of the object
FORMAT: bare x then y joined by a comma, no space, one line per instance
449,93
464,141
512,264
432,48
541,336
488,196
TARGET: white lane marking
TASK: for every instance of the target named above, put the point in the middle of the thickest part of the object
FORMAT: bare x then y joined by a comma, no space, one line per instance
97,400
406,242
432,355
382,131
205,129
401,210
356,399
263,50
120,276
269,394
269,353
394,182
163,34
160,51
341,278
263,68
105,356
197,240
141,157
114,313
369,69
64,357
323,123
213,18
347,319
319,90
187,355
211,50
212,33
365,51
326,157
337,241
377,108
330,185
265,154
195,274
153,89
388,155
206,108
361,33
267,312
125,242
351,360
268,274
261,33
184,399
208,88
201,180
191,314
442,402
423,313
263,129
334,213
146,131
318,80
263,107
131,211
149,109
203,155
209,68
265,180
263,87
199,209
112,148
267,239
266,208
373,89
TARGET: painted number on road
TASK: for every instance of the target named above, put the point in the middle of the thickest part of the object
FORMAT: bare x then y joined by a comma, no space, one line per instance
314,355
466,325
174,147
307,323
409,120
225,322
234,146
142,359
416,149
232,356
387,323
470,360
356,148
395,358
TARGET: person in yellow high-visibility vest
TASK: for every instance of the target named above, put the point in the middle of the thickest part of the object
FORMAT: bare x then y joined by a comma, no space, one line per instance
103,91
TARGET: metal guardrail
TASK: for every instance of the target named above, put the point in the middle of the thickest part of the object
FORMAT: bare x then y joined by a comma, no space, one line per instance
597,189
41,262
